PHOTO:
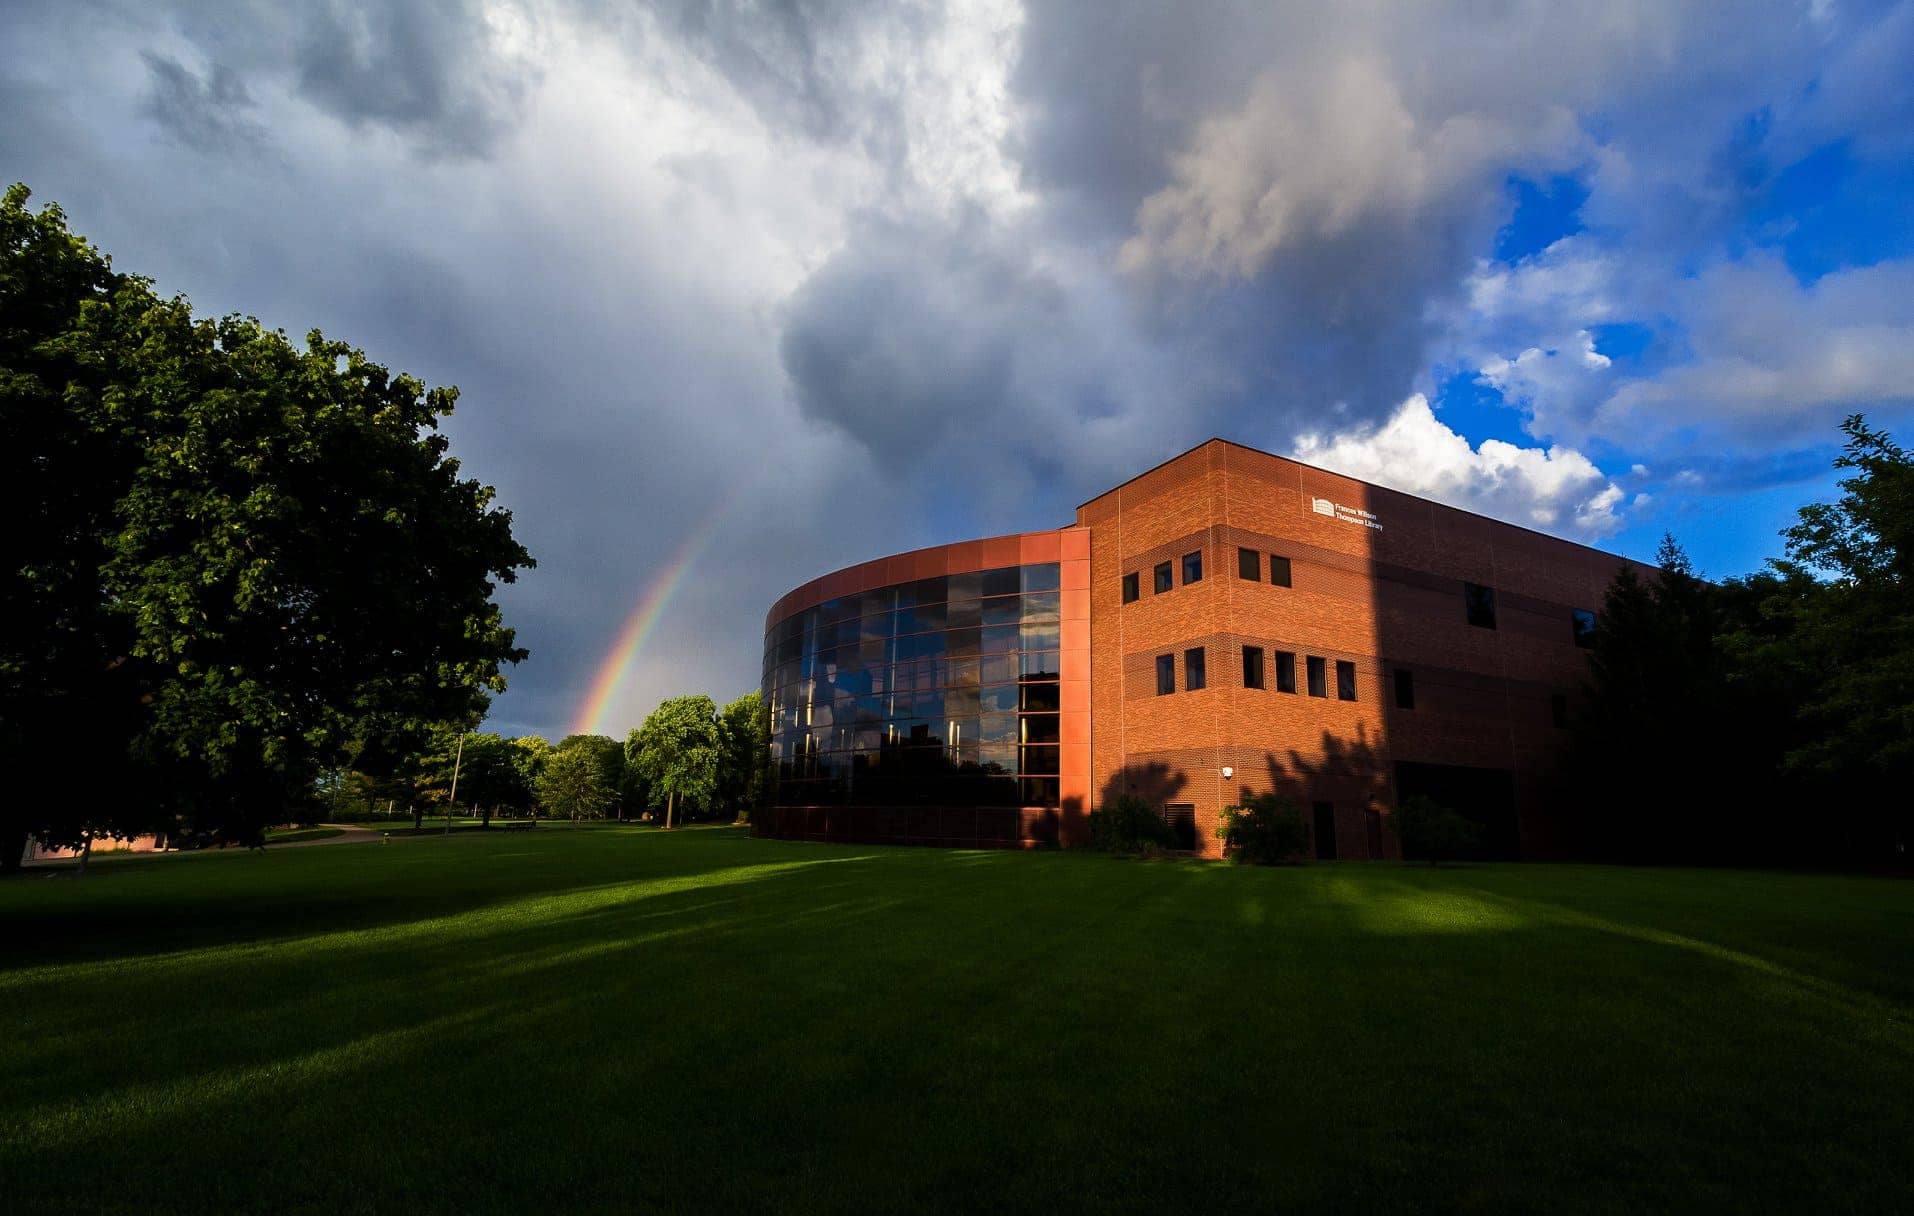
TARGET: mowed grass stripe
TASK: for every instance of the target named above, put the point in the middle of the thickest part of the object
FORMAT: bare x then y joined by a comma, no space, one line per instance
700,1020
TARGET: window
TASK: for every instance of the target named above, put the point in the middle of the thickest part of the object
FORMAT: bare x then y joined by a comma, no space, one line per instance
1193,674
1249,565
1345,680
1558,709
1279,570
1130,589
1192,567
1165,674
1584,626
1252,667
1160,580
1480,602
1405,688
1318,678
1285,671
1181,816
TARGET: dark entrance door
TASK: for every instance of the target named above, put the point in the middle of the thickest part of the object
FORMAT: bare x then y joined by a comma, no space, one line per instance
1326,831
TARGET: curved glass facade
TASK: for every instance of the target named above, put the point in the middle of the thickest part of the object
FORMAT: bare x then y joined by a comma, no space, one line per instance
940,692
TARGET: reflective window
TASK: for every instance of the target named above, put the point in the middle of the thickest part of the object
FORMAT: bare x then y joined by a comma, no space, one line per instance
1193,567
1249,565
1345,680
1193,673
1165,674
937,693
1318,677
1047,576
1584,627
1160,578
1285,671
1130,592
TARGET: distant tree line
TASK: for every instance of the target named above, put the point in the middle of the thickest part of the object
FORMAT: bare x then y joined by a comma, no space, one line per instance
1765,719
689,762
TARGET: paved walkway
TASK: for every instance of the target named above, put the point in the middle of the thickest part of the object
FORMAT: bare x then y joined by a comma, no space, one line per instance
349,833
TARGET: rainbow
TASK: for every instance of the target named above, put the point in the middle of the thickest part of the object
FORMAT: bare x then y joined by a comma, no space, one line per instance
643,619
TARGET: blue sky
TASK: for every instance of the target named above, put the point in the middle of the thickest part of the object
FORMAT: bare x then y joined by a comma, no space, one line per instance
829,282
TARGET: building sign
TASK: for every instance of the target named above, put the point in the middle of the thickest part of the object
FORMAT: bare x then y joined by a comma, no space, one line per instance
1347,514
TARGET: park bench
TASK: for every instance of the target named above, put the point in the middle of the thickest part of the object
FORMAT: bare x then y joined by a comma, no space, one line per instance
521,825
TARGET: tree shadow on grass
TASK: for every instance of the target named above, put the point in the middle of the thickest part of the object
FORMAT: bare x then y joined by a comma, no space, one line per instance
184,903
882,1025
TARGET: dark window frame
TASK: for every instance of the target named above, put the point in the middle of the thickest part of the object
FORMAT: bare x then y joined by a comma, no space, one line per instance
1193,560
1253,667
1317,669
1161,578
1478,605
1281,579
1133,586
1405,688
1165,674
1286,671
1345,680
1195,669
1249,564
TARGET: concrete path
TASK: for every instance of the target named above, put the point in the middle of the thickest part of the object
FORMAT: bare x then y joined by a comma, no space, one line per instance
349,833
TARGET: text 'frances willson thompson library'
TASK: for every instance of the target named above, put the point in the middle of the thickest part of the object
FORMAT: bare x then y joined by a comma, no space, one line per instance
1228,623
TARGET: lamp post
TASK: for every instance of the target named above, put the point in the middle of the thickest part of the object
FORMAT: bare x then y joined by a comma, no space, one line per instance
453,798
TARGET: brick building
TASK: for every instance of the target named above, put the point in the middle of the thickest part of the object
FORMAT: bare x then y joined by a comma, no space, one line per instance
1227,623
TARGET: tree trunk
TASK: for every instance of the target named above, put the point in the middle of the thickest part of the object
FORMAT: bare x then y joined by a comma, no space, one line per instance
13,847
671,803
86,851
418,817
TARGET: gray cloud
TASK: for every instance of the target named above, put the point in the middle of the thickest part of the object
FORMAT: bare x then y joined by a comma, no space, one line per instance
207,115
429,69
911,338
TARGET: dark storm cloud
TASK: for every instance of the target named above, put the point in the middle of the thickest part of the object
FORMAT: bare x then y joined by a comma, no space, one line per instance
1112,85
427,69
912,336
207,115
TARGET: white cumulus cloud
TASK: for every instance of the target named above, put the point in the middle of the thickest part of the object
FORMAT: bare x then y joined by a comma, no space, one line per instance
1555,489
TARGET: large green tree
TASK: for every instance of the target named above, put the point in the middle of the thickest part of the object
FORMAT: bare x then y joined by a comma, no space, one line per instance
744,757
232,560
573,785
676,752
1841,624
529,753
609,755
1671,760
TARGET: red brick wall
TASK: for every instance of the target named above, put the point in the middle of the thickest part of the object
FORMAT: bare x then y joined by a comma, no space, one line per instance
1382,598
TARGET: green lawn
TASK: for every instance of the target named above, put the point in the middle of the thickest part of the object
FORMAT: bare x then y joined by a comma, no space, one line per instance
699,1020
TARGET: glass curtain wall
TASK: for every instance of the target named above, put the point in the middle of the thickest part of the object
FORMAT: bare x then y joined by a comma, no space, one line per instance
938,692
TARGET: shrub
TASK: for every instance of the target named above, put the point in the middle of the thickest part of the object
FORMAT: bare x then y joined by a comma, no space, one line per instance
1265,830
1433,833
1128,824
